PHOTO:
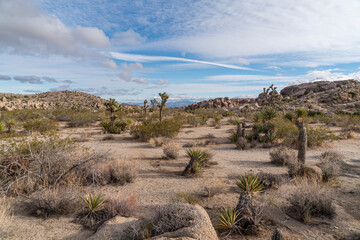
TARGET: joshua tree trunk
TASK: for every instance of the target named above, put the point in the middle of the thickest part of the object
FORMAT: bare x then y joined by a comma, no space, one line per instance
247,214
238,131
243,129
190,166
302,144
160,113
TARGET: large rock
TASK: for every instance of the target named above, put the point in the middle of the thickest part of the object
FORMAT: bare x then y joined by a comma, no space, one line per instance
114,228
199,228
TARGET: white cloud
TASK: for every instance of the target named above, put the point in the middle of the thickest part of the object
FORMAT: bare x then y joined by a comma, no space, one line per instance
109,64
236,78
26,30
127,38
146,58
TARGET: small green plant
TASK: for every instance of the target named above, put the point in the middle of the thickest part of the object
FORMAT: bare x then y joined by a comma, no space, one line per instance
10,124
250,184
233,137
227,220
289,116
192,152
2,126
301,112
93,204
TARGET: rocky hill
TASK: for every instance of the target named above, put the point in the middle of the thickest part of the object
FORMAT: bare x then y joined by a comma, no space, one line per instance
49,100
325,96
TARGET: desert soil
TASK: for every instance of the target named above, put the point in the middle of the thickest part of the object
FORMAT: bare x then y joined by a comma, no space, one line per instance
159,180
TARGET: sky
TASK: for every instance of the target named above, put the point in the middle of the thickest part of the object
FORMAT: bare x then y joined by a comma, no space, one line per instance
192,49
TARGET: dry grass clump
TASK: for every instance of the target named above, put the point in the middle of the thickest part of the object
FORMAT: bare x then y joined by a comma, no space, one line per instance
158,141
28,165
187,197
214,188
122,205
108,172
171,150
331,165
270,181
53,202
282,156
5,216
311,200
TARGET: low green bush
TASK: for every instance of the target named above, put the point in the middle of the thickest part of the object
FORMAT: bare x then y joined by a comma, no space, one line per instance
148,129
116,126
40,125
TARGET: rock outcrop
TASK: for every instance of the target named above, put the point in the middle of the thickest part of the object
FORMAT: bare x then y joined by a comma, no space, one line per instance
222,103
50,100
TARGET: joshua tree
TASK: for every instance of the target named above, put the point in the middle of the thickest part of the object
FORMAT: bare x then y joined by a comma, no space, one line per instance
271,95
112,106
145,105
154,103
164,97
302,143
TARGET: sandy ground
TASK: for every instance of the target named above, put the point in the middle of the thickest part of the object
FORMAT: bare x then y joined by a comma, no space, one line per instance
160,180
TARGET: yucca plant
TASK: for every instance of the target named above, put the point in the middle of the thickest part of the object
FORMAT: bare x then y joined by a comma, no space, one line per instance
192,152
94,203
227,220
250,184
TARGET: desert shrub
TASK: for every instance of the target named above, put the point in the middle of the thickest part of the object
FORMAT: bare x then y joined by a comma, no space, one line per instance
116,126
81,119
269,180
242,143
5,216
158,141
22,115
317,136
249,184
10,125
310,200
40,125
121,205
331,165
53,202
28,165
170,218
108,137
301,112
281,156
171,150
168,128
289,116
187,197
233,137
109,171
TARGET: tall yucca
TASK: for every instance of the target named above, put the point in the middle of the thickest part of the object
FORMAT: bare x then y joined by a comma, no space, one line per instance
250,184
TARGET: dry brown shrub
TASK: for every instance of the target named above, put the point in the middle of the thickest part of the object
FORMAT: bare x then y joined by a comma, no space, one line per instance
242,143
112,171
215,187
5,216
122,205
309,199
158,141
31,164
171,150
282,156
54,202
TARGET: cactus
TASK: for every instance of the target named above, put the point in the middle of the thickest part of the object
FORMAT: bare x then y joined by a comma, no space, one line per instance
302,144
164,97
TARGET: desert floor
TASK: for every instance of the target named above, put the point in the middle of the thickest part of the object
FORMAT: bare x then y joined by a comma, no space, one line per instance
159,181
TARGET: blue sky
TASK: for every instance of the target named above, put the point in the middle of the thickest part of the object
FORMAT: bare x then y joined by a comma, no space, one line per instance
133,49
